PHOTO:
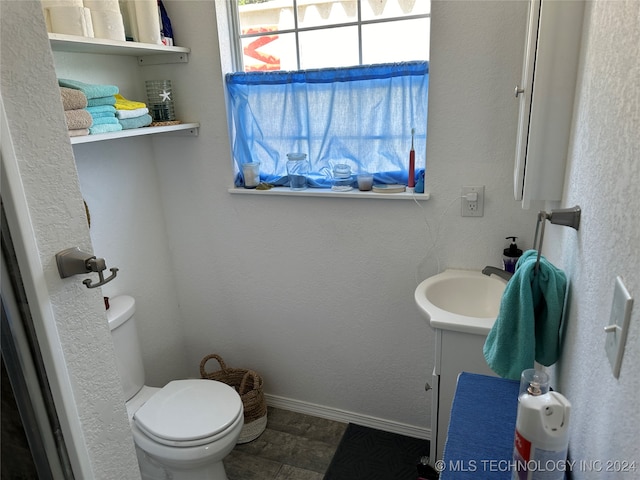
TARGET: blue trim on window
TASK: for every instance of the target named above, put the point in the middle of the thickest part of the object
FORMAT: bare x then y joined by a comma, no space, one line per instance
330,75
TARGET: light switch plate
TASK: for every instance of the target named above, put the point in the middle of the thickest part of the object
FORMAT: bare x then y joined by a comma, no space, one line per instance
618,326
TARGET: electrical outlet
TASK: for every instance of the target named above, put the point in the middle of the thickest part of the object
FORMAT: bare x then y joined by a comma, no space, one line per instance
618,326
473,201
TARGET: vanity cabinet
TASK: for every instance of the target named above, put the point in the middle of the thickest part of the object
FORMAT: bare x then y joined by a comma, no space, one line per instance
545,95
144,54
456,352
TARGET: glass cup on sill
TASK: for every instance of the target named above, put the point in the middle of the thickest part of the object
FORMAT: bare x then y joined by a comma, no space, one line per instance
365,181
251,174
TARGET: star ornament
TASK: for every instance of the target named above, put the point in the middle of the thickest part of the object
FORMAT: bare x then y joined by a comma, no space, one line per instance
166,96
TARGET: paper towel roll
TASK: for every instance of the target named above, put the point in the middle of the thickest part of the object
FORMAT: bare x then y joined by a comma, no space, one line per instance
103,5
89,22
57,3
108,24
147,21
62,3
69,20
47,19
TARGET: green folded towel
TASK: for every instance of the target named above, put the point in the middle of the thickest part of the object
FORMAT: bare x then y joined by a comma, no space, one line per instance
95,102
102,110
112,120
90,90
135,122
105,128
528,326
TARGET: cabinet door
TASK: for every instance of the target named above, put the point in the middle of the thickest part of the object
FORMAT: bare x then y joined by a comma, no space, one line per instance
546,96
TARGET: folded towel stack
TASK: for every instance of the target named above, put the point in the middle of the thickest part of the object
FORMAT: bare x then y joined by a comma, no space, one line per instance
529,326
100,101
77,117
131,114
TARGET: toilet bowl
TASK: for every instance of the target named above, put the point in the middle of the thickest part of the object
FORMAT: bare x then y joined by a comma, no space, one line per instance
182,431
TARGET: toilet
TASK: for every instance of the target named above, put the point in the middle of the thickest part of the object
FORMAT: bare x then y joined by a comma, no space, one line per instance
183,430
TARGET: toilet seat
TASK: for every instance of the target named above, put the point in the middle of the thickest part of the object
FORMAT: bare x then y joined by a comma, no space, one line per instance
189,413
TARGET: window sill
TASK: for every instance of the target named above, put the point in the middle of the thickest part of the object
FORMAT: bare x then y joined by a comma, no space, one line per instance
328,193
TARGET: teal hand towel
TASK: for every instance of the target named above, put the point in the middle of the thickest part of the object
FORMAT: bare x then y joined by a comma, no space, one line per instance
89,89
528,326
112,120
136,122
105,128
102,111
95,102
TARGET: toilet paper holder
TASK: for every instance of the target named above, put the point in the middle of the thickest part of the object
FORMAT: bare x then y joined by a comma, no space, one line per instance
74,261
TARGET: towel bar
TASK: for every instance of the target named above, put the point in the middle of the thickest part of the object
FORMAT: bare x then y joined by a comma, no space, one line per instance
568,217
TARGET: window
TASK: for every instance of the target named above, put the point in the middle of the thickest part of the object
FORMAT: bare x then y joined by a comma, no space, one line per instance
344,81
304,34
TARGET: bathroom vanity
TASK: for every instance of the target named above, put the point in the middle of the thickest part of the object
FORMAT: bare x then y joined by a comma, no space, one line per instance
462,306
456,352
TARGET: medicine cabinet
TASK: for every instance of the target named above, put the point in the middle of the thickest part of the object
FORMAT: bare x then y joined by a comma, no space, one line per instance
545,96
147,54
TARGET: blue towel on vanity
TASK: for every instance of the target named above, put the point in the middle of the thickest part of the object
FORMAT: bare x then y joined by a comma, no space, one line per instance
89,89
528,325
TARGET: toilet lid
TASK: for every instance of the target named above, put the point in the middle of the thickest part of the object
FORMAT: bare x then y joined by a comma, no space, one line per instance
187,410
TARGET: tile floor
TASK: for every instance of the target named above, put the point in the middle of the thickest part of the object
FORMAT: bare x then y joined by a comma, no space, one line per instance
294,446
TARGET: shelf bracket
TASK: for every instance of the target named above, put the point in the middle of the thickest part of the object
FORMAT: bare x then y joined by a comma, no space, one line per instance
163,59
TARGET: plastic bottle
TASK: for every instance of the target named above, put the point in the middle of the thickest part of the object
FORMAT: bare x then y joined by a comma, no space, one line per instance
542,437
510,256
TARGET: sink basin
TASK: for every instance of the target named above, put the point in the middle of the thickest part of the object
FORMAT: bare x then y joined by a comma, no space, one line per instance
461,300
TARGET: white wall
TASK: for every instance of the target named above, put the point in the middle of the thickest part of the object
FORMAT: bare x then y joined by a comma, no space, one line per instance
46,215
603,177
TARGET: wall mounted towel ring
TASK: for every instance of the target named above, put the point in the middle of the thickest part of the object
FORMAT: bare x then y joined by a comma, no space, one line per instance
568,217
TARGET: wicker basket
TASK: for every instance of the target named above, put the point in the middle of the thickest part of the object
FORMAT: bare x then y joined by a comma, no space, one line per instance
249,386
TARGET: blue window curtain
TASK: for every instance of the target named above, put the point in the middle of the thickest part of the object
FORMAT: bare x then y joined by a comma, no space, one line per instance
361,116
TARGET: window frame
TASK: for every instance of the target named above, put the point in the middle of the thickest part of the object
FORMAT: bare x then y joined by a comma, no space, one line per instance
237,36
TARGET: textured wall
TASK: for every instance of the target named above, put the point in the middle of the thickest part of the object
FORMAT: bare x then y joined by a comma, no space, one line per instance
604,179
47,169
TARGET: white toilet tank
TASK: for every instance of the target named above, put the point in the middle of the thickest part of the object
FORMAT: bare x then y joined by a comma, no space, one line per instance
125,340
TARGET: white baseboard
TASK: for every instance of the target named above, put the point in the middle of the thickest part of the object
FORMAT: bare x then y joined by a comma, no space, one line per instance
347,417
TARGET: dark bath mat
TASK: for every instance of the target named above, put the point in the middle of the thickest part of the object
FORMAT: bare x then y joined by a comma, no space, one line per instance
368,454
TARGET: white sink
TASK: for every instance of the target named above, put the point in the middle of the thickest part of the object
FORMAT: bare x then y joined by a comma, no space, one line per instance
461,300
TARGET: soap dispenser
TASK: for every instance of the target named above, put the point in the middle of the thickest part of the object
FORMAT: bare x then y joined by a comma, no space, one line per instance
511,255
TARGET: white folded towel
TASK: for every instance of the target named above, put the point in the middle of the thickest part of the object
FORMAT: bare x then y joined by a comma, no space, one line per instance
138,112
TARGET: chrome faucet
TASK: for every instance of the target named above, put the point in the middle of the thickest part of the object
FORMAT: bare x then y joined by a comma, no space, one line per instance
489,270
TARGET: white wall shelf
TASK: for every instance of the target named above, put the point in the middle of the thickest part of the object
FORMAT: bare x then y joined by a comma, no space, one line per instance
147,53
180,129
